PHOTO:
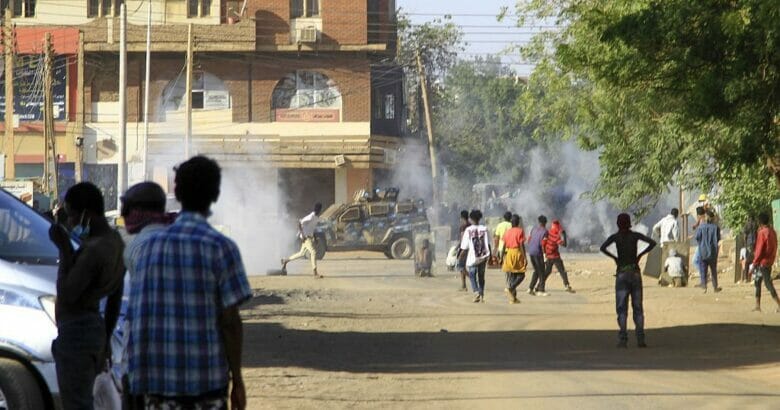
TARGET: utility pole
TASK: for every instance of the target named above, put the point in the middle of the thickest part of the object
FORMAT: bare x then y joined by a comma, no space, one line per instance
80,111
50,177
9,52
122,166
431,147
188,96
145,148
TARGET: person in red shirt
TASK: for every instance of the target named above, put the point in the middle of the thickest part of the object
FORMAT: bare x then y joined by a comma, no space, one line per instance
556,237
765,254
515,262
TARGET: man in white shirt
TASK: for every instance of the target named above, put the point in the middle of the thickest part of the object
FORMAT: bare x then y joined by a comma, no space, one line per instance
306,228
476,242
668,228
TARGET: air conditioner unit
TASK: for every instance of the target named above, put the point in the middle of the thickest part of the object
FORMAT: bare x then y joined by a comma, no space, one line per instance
391,156
340,160
307,35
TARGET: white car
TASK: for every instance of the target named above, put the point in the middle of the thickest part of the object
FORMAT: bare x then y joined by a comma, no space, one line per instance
28,271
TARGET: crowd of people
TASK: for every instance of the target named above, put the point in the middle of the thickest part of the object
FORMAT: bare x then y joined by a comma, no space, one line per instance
511,249
183,332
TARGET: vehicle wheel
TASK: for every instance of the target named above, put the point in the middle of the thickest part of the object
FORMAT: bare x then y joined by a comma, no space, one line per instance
18,388
402,248
388,254
320,248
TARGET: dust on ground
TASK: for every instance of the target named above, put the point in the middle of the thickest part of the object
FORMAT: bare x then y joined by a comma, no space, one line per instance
372,336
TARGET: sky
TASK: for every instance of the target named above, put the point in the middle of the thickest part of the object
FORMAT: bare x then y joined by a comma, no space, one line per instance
482,31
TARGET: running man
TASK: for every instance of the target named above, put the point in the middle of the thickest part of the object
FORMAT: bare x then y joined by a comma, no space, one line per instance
306,227
628,277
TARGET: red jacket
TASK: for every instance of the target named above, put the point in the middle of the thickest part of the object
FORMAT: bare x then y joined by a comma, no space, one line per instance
553,241
766,247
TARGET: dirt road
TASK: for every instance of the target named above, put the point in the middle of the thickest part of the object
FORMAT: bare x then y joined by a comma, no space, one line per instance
372,336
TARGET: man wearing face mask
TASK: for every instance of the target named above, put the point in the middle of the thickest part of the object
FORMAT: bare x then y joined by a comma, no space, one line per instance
87,275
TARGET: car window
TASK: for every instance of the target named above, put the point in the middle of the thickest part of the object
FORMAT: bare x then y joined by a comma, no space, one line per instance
378,209
24,234
351,215
404,207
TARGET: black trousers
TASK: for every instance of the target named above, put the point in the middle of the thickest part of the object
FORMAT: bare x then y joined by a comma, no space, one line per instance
537,261
558,264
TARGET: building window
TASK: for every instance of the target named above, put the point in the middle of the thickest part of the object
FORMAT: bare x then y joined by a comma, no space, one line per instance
19,8
103,8
198,8
208,93
304,8
306,89
389,106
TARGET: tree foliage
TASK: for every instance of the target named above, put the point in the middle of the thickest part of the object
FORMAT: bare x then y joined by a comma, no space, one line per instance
667,91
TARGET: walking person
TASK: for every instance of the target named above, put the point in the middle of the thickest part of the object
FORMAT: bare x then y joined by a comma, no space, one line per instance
765,254
750,234
85,276
498,236
628,277
476,243
556,237
185,341
668,228
306,227
515,263
462,255
536,254
143,210
708,237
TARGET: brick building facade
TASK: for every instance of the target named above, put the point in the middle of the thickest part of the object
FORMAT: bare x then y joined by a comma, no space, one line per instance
304,88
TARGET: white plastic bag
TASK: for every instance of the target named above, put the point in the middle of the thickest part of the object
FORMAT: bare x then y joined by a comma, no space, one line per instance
107,392
452,257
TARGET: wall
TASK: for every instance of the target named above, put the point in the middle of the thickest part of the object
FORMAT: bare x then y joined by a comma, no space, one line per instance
345,21
74,12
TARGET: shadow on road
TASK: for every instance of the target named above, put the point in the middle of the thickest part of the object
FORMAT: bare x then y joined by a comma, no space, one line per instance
697,347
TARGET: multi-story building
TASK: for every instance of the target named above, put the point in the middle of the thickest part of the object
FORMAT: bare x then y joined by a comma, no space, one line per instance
304,89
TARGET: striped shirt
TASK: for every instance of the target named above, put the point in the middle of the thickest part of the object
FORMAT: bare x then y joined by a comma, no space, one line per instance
184,277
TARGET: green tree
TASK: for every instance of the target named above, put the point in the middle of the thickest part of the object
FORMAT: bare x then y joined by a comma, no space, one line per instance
668,91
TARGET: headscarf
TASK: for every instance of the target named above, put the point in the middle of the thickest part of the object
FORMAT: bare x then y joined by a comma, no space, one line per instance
138,219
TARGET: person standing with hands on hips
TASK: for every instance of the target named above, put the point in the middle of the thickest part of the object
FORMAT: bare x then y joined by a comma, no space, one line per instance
628,277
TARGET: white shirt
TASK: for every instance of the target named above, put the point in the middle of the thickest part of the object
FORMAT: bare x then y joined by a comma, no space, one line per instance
668,228
475,240
309,224
674,265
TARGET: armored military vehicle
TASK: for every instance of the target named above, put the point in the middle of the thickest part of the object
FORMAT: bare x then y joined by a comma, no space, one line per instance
374,221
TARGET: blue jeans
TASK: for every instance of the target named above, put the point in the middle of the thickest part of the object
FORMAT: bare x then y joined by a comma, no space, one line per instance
629,284
477,276
712,264
78,357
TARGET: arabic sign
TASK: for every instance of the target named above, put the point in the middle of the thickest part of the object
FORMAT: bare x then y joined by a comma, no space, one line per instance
28,88
20,189
307,115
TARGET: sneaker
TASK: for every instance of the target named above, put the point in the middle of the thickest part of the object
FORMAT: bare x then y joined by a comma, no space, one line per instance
570,290
477,299
514,301
509,294
641,344
623,344
542,293
716,290
531,292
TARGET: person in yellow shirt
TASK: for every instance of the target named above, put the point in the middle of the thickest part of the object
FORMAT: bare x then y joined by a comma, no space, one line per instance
498,236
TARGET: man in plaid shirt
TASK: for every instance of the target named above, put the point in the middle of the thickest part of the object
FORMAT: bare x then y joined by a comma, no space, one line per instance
185,330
